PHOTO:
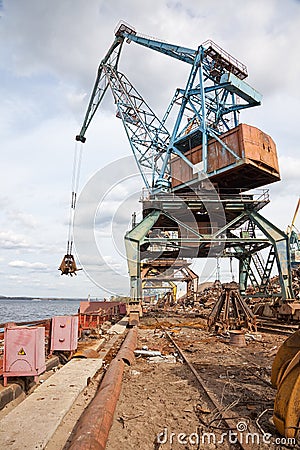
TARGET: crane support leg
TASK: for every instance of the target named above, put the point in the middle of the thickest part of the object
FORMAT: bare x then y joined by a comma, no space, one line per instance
133,240
246,272
282,251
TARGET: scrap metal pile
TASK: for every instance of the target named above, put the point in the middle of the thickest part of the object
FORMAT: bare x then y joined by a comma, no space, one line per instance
206,299
274,285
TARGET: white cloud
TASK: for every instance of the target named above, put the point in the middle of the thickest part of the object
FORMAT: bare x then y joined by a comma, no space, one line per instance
10,240
15,277
28,265
290,168
22,219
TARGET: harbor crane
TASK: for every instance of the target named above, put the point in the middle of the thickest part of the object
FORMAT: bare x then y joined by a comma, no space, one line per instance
200,153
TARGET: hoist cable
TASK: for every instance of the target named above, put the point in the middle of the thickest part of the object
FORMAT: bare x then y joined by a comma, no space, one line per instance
74,188
218,276
231,270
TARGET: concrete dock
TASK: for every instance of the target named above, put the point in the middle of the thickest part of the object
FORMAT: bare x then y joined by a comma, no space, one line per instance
32,424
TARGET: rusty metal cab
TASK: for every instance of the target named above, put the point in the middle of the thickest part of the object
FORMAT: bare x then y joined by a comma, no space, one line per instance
257,164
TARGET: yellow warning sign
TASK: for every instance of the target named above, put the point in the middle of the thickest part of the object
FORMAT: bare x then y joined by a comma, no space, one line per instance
21,351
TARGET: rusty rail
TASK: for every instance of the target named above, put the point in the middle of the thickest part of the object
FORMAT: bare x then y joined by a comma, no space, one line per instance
92,429
230,420
33,322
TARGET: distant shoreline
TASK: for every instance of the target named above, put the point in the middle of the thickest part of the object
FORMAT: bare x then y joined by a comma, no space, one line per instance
3,298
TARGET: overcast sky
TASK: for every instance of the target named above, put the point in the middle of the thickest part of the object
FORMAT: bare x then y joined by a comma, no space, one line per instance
50,51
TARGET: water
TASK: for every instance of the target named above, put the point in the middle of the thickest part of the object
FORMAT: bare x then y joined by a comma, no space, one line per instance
26,310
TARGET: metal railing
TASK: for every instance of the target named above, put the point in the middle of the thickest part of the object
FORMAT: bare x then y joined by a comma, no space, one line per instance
226,57
239,195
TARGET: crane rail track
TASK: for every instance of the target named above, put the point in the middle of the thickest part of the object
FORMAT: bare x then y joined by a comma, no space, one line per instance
230,419
273,326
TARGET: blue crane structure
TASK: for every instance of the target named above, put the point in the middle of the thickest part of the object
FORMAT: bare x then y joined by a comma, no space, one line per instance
211,99
216,214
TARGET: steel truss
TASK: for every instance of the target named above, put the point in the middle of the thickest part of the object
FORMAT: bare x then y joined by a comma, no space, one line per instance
158,274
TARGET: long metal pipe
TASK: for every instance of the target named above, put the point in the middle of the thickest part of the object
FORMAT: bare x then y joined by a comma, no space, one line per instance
92,429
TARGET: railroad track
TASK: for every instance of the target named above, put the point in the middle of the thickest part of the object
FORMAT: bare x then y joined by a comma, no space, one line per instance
271,326
225,415
275,327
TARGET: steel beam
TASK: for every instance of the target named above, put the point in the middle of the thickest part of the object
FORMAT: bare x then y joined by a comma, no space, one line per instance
133,241
280,241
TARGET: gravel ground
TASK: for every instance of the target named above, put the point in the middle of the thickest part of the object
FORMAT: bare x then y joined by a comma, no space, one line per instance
162,405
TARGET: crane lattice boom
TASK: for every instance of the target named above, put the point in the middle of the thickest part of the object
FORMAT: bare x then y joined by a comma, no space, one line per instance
214,93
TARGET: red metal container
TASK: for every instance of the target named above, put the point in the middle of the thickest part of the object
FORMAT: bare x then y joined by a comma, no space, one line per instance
24,352
257,164
93,313
64,333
